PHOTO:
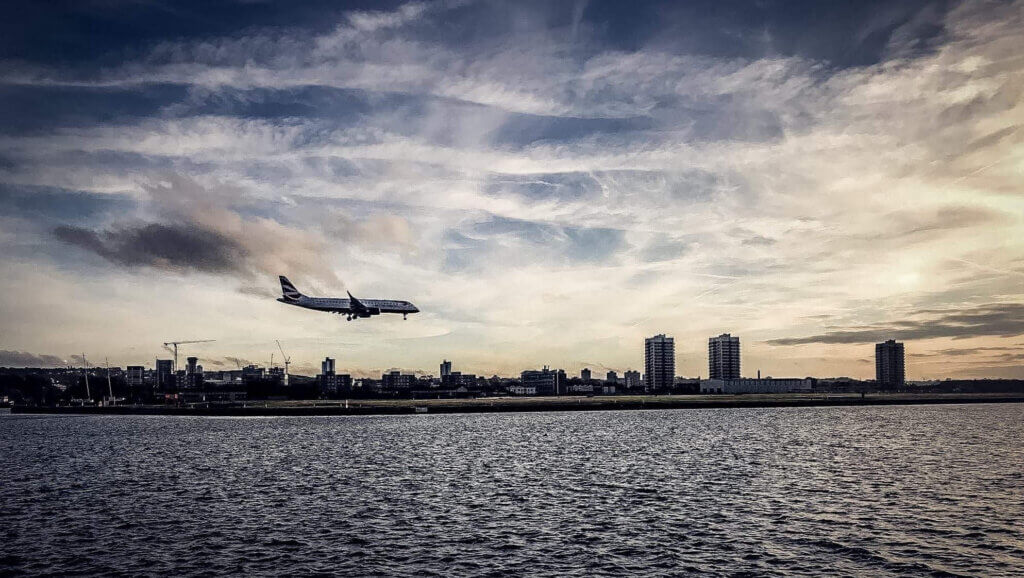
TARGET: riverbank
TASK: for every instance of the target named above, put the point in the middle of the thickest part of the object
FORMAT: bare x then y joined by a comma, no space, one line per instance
530,404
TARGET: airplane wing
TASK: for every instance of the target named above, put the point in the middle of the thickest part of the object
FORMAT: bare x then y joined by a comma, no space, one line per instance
360,309
356,304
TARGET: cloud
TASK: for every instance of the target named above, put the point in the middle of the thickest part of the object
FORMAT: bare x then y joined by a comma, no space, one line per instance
540,187
966,351
45,203
997,319
177,247
904,224
206,229
664,247
497,242
991,139
227,362
509,166
371,21
758,240
376,231
10,358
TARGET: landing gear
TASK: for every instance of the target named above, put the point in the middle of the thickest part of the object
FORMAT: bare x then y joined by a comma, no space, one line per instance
404,316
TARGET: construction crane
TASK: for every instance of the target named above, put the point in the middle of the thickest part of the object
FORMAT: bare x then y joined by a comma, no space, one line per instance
177,343
287,361
85,371
110,386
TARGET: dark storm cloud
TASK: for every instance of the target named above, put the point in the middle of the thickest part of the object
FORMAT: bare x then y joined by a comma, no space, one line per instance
165,246
25,359
214,228
993,320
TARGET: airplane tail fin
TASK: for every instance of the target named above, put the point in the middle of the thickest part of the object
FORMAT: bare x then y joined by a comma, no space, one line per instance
288,290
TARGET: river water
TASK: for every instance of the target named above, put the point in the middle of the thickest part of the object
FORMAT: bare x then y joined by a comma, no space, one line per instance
863,491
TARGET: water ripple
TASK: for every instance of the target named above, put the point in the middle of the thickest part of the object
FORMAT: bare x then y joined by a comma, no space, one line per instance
880,491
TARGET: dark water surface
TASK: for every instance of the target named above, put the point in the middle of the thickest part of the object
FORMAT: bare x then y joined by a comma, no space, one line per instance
867,491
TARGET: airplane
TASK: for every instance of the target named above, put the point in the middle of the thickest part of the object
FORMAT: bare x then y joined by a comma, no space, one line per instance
352,308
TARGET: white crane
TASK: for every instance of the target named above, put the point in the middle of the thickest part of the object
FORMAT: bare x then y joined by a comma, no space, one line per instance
177,343
287,361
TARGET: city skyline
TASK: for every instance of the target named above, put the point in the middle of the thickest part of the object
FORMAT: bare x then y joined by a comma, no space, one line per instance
658,351
549,184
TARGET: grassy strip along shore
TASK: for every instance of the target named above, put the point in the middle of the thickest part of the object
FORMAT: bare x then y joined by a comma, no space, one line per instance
521,404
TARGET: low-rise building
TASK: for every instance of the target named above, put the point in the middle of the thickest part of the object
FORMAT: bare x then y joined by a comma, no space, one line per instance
581,388
686,385
212,397
632,379
519,389
546,381
758,385
458,379
135,375
334,384
397,381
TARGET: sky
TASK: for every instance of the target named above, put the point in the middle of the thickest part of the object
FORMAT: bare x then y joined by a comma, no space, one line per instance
549,182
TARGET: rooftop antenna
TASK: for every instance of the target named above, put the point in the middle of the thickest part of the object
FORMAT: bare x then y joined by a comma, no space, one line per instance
177,343
287,361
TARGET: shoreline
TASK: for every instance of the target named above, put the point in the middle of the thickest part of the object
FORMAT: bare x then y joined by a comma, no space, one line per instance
534,404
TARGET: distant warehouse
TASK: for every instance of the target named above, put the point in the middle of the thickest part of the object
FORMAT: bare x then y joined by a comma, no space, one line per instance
758,385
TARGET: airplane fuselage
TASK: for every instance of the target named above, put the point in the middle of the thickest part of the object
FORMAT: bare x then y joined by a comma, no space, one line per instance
345,306
352,308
